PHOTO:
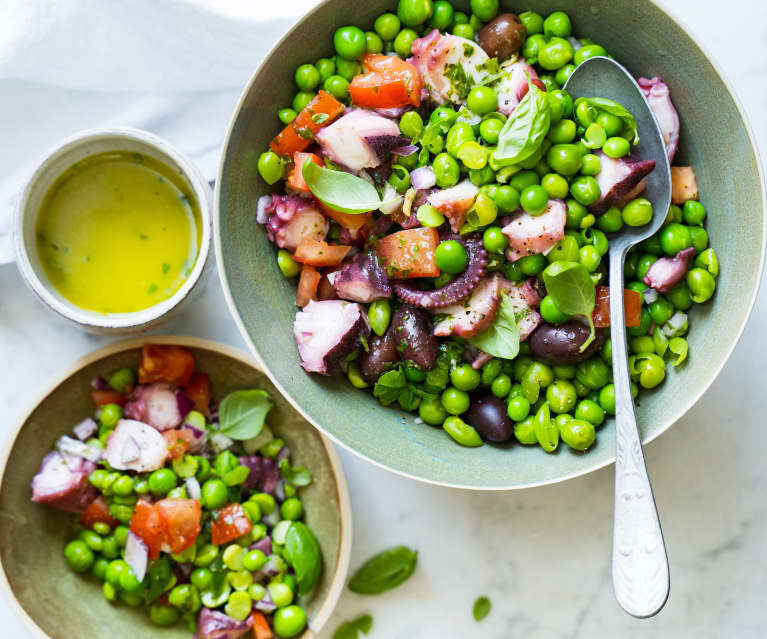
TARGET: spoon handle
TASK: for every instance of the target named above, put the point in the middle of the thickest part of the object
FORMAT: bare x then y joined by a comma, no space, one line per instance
639,564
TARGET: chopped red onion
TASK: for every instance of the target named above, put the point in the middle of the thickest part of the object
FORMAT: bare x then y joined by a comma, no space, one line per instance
405,150
279,491
99,384
264,545
675,324
76,448
283,454
272,519
423,178
136,555
184,403
265,604
393,112
85,429
650,295
193,488
221,442
264,202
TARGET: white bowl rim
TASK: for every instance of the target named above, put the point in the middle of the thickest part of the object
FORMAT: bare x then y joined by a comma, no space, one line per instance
344,501
136,319
692,399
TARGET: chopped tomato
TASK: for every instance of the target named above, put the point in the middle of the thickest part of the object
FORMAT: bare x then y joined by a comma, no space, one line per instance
97,511
180,521
307,285
320,253
632,304
410,253
295,177
163,363
198,390
108,397
261,629
389,82
300,133
146,524
351,221
179,440
228,523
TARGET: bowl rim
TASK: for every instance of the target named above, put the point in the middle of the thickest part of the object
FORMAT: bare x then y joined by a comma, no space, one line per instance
693,397
44,291
344,501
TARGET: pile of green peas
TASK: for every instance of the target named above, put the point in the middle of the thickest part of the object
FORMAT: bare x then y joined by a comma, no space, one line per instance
223,576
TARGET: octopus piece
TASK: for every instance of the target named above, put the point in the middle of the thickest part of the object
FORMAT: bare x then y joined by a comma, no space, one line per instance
667,272
327,332
659,98
62,482
412,336
617,178
158,405
449,65
533,234
264,473
684,184
292,219
457,288
362,280
473,315
360,139
513,85
454,202
136,446
212,624
524,303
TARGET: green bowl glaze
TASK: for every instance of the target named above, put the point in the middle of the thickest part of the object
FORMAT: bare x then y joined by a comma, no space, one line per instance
61,604
715,139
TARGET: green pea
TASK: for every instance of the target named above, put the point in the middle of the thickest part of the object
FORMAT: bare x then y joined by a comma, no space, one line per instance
593,373
110,546
709,261
280,593
432,411
532,47
307,77
102,528
110,593
463,30
354,376
701,284
585,190
590,164
204,470
566,249
518,409
286,115
451,257
446,170
698,237
590,411
482,100
162,615
644,324
115,570
616,147
459,133
373,42
99,568
214,494
92,540
455,401
611,221
501,386
442,17
123,486
561,396
326,67
534,199
565,159
660,310
533,22
562,132
464,377
162,481
110,415
403,42
337,86
524,430
400,178
289,621
414,12
490,129
590,258
347,69
588,51
461,432
79,556
607,399
563,74
557,24
472,154
507,198
349,42
485,10
265,501
694,213
97,477
489,371
638,212
483,176
556,53
532,264
546,431
206,555
578,434
292,509
287,265
595,136
129,582
680,296
411,124
201,578
674,238
550,311
270,167
301,100
122,379
387,26
651,369
642,344
643,265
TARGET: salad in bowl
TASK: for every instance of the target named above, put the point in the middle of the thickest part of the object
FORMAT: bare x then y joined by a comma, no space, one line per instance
446,207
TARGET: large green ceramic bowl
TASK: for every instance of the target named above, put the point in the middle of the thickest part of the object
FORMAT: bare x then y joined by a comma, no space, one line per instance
60,604
715,139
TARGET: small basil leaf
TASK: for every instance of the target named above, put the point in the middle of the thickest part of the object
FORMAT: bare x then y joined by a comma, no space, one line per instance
389,386
340,190
573,291
384,571
524,131
481,608
351,629
303,553
241,413
603,104
296,475
502,338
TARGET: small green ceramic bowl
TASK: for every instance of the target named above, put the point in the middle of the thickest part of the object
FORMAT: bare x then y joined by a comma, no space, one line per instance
715,139
60,604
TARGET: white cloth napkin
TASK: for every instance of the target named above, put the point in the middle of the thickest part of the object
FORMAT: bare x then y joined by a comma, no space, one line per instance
173,67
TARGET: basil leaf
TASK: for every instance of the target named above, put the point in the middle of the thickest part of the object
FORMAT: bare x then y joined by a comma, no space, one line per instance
502,338
157,579
340,190
408,400
610,106
296,475
481,608
303,553
389,386
384,571
241,413
351,629
573,291
527,126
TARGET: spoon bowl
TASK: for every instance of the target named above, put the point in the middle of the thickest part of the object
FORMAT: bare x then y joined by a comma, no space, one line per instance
639,561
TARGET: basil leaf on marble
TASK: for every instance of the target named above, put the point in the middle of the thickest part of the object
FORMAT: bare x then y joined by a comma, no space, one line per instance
384,571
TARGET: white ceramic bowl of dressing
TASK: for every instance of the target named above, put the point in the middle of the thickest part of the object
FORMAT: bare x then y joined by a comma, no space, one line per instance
70,152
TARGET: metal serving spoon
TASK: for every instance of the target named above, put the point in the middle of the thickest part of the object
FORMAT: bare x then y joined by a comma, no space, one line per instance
639,562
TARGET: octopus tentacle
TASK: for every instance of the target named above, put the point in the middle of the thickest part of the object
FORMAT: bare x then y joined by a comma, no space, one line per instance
456,289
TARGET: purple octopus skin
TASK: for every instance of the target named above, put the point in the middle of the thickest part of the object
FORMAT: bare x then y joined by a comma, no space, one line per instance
383,145
363,279
212,624
411,330
617,179
264,473
659,98
456,289
327,332
376,360
293,218
667,272
62,482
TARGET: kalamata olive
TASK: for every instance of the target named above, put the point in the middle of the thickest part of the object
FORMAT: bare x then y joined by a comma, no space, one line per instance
411,330
487,414
381,351
502,37
560,344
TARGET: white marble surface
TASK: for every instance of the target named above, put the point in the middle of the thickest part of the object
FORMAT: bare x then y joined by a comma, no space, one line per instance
541,555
